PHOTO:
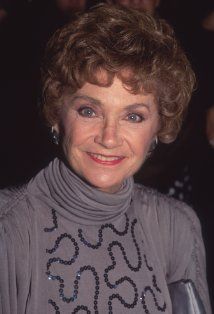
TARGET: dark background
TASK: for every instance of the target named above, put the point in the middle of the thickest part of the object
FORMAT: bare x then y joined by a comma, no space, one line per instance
25,141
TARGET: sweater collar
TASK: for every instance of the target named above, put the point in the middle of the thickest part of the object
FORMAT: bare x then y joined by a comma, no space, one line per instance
77,201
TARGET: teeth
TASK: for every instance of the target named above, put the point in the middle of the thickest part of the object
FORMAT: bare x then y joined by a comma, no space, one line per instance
104,158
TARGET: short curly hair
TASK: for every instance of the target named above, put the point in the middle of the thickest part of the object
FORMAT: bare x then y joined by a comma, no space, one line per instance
117,39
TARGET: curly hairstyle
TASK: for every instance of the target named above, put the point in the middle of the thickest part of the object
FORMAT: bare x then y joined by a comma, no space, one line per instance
140,50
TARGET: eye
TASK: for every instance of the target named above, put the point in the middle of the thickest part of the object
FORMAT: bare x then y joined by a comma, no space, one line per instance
135,117
86,112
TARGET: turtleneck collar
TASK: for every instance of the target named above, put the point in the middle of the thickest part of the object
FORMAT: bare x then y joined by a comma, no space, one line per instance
76,200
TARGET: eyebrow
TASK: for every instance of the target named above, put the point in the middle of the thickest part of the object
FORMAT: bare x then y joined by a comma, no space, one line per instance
99,103
137,106
87,98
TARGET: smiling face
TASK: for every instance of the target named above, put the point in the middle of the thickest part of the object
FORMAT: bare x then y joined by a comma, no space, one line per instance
107,132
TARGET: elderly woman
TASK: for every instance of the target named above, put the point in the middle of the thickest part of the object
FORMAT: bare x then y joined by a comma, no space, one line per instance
81,237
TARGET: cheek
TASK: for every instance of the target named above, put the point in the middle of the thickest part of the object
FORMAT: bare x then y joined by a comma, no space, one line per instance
74,133
67,143
141,142
141,149
68,133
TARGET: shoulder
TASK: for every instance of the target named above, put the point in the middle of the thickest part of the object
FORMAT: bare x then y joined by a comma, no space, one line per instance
175,230
15,216
172,224
16,245
166,209
10,198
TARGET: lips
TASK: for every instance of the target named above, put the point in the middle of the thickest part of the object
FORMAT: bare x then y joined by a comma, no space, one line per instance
107,160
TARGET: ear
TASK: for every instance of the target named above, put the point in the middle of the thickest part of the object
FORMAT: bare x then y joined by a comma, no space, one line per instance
55,127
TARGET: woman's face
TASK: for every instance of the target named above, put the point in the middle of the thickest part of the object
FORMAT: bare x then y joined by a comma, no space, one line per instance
107,132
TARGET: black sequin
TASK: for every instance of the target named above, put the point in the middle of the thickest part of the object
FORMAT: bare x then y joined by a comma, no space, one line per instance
76,286
125,278
58,259
154,281
149,289
150,268
122,301
55,223
78,277
116,243
55,306
100,234
143,301
81,308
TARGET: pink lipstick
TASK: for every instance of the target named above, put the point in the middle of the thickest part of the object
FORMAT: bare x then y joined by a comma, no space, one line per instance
106,160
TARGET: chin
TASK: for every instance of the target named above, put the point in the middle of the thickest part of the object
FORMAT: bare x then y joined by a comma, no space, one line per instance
104,183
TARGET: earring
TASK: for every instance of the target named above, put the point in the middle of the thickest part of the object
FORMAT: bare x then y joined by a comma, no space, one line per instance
153,145
55,136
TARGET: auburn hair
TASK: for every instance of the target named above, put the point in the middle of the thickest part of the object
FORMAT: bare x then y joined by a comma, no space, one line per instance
139,49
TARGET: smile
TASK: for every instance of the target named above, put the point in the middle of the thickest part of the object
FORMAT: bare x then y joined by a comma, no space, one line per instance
108,160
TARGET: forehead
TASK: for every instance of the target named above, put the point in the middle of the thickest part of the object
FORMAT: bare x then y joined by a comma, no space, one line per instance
116,93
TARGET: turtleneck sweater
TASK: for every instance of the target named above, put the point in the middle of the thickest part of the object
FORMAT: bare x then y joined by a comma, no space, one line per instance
67,247
79,202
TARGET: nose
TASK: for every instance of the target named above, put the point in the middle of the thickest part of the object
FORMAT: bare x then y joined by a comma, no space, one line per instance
109,135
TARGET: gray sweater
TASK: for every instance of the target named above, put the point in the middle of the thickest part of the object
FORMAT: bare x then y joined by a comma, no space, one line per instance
66,247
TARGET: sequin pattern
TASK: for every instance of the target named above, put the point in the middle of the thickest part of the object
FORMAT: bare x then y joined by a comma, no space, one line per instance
55,223
100,234
54,305
149,289
78,279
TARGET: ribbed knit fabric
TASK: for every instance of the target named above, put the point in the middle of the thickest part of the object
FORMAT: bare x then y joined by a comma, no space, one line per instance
79,202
